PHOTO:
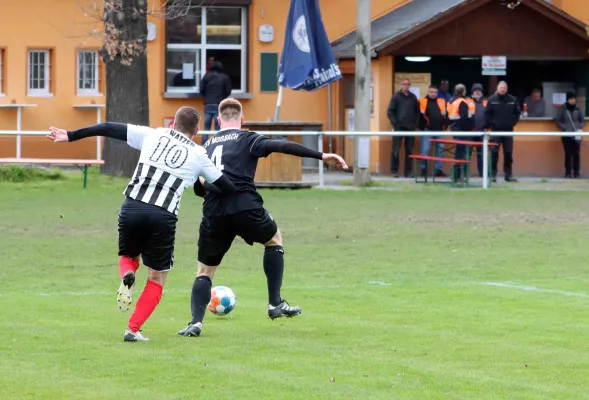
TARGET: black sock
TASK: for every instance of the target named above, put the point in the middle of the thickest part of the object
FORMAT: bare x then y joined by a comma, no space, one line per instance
201,295
274,269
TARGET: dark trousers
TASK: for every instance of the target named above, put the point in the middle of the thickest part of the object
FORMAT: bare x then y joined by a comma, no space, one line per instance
409,142
460,154
211,114
479,150
572,150
507,143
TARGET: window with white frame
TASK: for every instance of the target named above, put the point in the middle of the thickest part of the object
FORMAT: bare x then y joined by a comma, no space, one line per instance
87,82
203,35
38,73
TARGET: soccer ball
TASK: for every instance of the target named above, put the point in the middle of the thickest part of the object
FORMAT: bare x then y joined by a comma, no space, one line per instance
222,300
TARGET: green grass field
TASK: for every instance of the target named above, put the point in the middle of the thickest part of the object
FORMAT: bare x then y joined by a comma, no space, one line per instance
406,294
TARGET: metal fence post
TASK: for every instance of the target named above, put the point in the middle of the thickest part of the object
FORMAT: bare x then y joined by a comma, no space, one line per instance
320,148
485,160
18,128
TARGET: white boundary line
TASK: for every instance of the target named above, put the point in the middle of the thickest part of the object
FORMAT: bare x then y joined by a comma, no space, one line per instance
512,285
176,291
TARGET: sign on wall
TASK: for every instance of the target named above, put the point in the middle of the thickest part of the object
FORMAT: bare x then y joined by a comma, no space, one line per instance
266,33
419,82
494,65
168,122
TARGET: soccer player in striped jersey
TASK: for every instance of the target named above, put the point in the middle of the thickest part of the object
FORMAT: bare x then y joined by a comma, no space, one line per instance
169,163
236,153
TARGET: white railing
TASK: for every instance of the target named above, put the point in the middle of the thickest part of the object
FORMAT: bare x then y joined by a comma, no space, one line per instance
321,135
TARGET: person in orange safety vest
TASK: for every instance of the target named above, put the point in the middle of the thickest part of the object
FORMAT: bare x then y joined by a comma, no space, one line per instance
461,110
433,118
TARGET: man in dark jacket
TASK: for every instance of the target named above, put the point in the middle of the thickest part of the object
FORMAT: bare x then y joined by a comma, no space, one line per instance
503,113
570,119
215,87
403,112
480,120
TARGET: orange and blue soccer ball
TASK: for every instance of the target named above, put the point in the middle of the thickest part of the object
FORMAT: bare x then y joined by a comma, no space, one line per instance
222,300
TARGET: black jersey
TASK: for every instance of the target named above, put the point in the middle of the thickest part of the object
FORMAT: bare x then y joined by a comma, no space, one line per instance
235,153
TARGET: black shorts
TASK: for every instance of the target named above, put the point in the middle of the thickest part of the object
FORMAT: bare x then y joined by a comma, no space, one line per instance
217,233
149,231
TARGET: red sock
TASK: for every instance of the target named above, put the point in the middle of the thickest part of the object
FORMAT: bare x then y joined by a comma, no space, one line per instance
147,302
127,264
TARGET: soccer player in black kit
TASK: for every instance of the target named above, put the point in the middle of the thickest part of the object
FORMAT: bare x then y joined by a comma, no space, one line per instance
235,153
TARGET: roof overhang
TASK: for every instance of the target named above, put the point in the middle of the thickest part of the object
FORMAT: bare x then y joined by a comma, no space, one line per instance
420,17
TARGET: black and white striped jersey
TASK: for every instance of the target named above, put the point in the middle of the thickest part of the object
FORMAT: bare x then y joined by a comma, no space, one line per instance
169,163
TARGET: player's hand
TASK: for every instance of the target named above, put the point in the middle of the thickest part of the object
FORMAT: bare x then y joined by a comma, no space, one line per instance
334,159
57,135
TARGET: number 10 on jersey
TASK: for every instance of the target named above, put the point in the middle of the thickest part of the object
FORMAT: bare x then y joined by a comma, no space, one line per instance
216,157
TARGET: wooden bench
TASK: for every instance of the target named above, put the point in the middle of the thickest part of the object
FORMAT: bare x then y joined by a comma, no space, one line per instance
51,161
453,161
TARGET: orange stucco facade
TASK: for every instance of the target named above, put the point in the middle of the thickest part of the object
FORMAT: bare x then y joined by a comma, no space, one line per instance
62,27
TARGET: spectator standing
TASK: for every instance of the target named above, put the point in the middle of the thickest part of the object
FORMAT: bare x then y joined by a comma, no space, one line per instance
461,111
444,91
403,113
502,113
215,87
534,105
480,121
570,119
433,118
210,62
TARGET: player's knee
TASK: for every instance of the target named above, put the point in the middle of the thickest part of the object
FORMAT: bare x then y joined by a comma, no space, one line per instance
272,249
157,276
275,241
205,270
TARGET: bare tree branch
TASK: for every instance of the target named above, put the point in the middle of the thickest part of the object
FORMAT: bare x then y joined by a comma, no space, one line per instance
115,42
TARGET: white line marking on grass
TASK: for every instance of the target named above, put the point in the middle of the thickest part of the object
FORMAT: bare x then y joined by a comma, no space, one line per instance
184,291
511,285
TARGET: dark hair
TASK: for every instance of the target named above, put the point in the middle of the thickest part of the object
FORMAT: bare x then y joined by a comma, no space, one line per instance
217,66
536,90
187,120
433,87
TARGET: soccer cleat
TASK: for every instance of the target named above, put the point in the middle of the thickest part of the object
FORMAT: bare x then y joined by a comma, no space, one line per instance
283,310
125,293
192,330
131,336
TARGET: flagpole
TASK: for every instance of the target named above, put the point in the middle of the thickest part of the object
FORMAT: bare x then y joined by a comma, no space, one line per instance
362,100
278,102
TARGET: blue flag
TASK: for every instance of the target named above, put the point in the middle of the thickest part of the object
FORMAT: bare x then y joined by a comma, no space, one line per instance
307,61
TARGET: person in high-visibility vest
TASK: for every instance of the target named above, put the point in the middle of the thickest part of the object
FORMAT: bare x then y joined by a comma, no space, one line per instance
433,118
480,121
461,111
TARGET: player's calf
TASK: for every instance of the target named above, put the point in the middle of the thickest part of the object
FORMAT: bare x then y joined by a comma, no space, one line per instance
199,299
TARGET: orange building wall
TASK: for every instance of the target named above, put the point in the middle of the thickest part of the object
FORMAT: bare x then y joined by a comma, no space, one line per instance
577,8
60,25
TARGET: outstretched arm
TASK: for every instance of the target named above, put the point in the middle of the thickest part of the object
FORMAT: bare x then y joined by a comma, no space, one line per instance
261,146
132,134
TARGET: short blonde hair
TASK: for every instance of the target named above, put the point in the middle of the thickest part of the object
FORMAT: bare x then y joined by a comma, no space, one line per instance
230,109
